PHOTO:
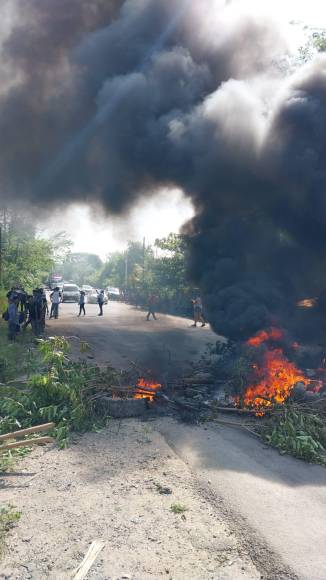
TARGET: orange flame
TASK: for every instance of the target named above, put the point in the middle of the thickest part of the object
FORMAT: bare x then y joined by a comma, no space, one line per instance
277,376
147,389
264,336
307,303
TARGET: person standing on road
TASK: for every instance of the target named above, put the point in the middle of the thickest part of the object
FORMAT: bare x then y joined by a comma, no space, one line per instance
44,308
82,303
152,302
55,299
198,311
100,301
12,318
30,311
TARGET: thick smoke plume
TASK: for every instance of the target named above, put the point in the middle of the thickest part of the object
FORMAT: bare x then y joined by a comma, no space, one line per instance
106,101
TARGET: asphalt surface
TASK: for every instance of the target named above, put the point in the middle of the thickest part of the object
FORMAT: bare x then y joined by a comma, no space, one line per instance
123,334
276,503
271,500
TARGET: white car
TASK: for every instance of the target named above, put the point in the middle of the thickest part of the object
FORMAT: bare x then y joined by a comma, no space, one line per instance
92,298
113,293
87,289
70,293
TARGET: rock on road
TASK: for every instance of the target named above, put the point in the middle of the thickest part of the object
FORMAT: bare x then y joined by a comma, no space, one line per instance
277,504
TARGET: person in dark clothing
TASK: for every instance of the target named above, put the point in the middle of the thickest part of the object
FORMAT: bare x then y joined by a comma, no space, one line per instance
36,311
12,319
29,310
82,303
152,302
100,301
11,293
22,300
44,308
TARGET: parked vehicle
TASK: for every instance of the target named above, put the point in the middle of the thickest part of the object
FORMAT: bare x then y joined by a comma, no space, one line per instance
70,293
87,289
93,297
113,293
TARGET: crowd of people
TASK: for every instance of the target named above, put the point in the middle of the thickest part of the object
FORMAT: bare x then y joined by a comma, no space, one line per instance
31,309
25,309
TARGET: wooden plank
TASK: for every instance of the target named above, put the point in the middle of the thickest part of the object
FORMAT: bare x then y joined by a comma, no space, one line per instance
27,443
91,555
27,431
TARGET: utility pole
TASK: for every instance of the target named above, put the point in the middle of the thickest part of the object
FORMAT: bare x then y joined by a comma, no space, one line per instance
126,269
0,256
144,255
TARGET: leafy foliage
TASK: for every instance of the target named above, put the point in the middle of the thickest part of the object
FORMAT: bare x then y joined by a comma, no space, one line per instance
144,269
316,43
27,259
298,432
80,267
61,391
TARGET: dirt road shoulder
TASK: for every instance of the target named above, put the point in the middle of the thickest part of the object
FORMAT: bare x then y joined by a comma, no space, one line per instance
128,488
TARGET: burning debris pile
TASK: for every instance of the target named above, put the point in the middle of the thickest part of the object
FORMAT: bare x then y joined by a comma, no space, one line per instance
264,383
266,371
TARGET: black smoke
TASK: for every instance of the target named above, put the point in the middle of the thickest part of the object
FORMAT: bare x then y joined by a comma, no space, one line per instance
111,100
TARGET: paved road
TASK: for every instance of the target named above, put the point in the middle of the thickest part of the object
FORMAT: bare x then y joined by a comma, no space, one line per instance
123,333
272,500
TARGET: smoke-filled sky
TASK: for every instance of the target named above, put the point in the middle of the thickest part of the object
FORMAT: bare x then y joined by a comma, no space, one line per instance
91,233
109,101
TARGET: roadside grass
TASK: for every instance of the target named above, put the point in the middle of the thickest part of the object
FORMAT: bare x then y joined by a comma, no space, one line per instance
178,508
8,517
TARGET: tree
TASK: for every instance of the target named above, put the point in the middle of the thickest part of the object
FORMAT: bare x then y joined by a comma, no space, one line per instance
315,44
26,258
80,267
144,269
61,247
170,268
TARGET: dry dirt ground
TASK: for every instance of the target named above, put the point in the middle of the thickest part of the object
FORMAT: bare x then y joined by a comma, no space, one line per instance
106,486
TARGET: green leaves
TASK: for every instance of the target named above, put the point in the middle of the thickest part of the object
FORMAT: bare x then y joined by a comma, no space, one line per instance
298,432
61,391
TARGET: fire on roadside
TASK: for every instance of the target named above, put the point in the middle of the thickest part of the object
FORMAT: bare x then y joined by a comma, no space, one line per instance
146,389
265,336
275,377
307,303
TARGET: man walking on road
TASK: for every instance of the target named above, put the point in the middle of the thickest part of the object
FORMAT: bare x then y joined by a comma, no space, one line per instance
198,312
152,301
100,301
82,303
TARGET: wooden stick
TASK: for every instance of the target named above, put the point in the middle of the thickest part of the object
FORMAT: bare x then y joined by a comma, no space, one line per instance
27,443
245,411
28,431
233,424
91,555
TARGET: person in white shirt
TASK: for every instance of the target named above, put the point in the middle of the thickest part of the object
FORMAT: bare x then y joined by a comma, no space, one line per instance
55,298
